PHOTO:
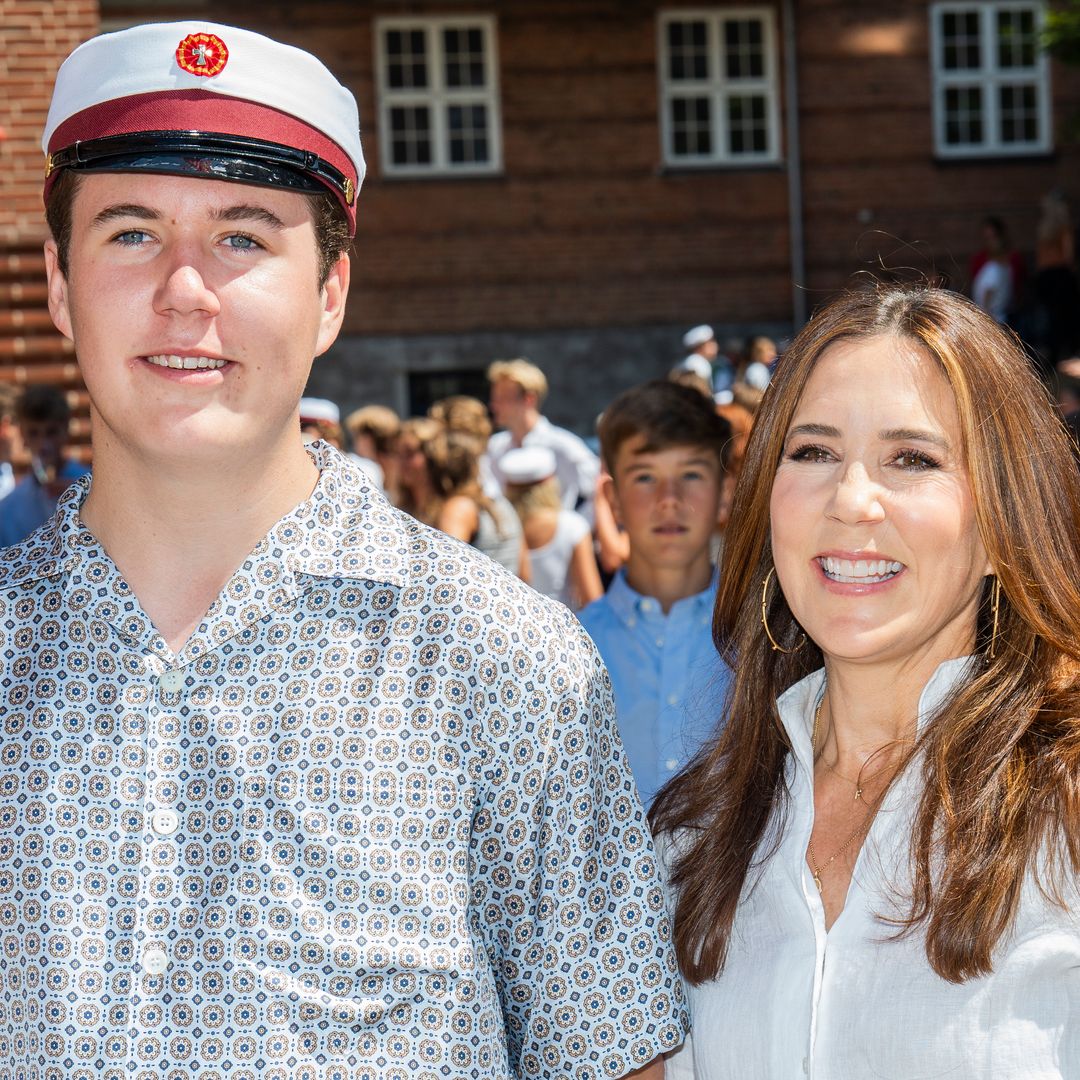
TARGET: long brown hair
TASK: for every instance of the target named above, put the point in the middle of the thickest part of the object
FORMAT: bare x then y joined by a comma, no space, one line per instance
1001,759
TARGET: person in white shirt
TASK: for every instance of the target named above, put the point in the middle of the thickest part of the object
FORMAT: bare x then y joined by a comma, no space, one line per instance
874,867
518,389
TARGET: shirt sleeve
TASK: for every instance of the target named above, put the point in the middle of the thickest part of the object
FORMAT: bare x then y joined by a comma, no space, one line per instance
566,886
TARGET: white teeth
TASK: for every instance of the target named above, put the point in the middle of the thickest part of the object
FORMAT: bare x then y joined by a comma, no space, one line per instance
860,571
188,363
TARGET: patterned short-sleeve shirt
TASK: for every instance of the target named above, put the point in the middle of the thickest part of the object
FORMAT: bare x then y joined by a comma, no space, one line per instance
372,821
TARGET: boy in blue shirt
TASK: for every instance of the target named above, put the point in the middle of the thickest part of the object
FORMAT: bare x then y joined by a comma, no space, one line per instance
665,450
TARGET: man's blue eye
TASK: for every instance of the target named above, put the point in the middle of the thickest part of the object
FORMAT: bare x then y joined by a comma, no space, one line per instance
242,242
131,238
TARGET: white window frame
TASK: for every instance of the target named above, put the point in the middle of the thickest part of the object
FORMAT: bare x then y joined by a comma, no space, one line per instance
438,97
719,89
990,79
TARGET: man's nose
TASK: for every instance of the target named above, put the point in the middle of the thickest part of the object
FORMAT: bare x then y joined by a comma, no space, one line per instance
185,290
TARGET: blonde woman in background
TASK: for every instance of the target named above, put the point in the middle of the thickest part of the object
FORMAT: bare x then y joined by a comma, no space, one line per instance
560,545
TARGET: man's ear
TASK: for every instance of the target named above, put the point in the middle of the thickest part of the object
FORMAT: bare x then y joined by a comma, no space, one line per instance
611,492
333,296
58,291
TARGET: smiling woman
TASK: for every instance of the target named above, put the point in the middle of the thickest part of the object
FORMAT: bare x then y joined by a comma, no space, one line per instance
882,843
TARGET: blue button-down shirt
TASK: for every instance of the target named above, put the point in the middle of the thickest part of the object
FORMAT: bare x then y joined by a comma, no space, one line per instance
28,505
669,680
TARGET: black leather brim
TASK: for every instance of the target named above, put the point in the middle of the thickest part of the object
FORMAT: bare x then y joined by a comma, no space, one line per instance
208,166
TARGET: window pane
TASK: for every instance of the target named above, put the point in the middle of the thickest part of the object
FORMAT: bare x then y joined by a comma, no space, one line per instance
748,131
467,125
410,135
744,49
963,116
1017,106
688,56
1016,38
691,127
406,59
464,52
960,41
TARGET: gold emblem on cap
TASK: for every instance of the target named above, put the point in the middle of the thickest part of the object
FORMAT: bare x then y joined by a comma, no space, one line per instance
350,191
48,166
202,54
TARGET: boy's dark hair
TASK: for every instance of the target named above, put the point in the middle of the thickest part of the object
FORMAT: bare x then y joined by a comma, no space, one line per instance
667,415
42,404
331,227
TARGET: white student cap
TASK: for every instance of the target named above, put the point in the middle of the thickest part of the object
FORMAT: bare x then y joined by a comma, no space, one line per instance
696,363
314,409
527,464
697,336
200,99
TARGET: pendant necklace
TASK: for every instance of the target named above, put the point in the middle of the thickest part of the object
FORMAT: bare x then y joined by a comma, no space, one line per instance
817,869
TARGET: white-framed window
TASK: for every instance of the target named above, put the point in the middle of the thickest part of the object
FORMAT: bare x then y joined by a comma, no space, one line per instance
991,79
438,96
718,86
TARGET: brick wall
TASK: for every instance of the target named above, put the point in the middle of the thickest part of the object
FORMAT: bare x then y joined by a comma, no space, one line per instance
873,189
35,36
584,233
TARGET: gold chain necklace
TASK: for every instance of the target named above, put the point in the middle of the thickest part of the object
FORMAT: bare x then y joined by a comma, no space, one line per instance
815,868
858,782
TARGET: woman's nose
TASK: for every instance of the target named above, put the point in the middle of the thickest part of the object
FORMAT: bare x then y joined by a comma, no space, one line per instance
857,497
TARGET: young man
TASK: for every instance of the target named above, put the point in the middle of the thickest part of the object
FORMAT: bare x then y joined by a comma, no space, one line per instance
43,419
292,787
518,389
665,449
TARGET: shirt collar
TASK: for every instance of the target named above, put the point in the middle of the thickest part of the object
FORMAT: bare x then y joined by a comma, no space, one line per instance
541,427
344,529
798,703
627,603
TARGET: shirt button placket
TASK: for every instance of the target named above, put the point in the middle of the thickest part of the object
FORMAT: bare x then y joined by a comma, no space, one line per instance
160,863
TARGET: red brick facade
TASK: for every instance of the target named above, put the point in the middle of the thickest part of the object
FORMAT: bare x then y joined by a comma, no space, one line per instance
584,227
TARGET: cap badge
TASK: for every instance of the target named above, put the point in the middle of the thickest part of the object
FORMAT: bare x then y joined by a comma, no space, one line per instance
202,54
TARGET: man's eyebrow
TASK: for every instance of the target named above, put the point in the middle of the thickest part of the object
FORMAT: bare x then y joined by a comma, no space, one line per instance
247,212
123,210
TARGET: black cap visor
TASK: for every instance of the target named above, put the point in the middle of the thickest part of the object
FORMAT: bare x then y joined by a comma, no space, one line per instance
212,157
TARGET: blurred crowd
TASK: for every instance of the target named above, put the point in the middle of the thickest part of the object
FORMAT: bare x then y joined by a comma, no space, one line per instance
534,496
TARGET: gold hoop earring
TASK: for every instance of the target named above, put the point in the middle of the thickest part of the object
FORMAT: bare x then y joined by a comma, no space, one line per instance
777,647
995,607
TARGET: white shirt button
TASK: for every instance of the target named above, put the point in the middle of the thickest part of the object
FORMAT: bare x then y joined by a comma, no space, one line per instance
172,681
165,822
646,605
659,642
155,960
673,699
671,764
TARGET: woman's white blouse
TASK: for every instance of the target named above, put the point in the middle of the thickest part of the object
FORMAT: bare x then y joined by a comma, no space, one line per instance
794,1001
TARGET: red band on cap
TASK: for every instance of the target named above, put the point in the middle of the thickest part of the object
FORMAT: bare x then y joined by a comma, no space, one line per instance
201,110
